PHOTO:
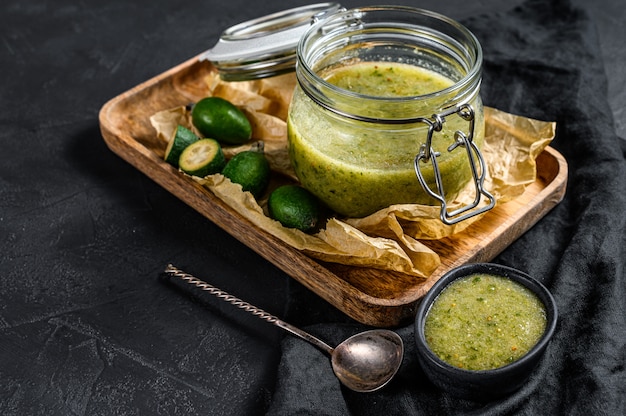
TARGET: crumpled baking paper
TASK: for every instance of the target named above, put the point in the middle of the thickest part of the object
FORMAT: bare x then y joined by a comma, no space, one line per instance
389,238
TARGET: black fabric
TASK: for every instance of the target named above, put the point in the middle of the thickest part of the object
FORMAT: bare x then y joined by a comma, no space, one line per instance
541,61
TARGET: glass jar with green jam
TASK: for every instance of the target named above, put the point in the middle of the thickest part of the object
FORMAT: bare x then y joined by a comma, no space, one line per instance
387,109
370,81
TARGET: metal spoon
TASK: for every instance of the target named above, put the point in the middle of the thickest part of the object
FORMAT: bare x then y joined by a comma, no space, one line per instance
364,362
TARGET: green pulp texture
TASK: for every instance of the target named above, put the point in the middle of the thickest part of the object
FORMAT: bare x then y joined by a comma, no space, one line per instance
482,322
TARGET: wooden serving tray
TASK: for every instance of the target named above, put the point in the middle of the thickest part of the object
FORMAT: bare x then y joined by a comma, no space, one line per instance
370,296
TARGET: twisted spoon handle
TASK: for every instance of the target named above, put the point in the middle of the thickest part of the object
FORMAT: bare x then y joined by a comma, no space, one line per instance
170,270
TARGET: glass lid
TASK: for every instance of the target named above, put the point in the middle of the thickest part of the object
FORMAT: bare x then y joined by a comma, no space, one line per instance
265,46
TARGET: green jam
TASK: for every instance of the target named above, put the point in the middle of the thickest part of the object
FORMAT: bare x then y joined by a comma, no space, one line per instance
380,79
358,168
482,322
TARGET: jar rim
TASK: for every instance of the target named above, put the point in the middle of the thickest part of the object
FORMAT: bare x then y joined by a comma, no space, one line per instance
333,23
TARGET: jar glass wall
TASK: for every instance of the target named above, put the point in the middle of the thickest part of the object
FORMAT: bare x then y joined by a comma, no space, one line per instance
354,146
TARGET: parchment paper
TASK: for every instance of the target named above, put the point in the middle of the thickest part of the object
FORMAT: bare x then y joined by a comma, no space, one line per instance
389,238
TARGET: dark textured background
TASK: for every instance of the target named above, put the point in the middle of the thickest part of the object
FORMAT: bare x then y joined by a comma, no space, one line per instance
87,328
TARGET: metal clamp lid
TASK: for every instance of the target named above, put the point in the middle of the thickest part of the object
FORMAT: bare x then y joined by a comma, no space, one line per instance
265,46
475,157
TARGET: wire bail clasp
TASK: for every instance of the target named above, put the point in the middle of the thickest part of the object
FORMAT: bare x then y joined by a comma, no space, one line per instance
435,124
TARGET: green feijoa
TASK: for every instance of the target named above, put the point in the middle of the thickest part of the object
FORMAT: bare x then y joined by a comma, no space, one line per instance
221,120
181,138
201,158
250,169
294,207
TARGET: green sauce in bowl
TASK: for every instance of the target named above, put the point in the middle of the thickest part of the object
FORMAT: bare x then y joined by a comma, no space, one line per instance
483,321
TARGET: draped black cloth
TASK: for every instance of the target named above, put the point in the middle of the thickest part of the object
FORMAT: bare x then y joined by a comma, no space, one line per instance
542,60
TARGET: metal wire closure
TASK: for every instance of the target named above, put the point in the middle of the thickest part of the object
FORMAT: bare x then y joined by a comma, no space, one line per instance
170,270
466,112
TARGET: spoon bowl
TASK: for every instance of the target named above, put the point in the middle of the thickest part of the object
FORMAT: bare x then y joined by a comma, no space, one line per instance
368,360
364,362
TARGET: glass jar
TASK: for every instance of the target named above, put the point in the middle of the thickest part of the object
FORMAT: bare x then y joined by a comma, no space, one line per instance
361,145
356,151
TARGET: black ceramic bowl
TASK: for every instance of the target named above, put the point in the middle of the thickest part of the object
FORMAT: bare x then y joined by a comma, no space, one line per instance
482,385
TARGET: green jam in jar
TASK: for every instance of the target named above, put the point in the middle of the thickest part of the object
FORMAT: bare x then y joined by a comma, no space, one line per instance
358,167
384,79
482,322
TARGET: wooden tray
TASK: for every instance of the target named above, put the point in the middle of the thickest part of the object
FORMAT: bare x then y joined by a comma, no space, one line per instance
369,296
